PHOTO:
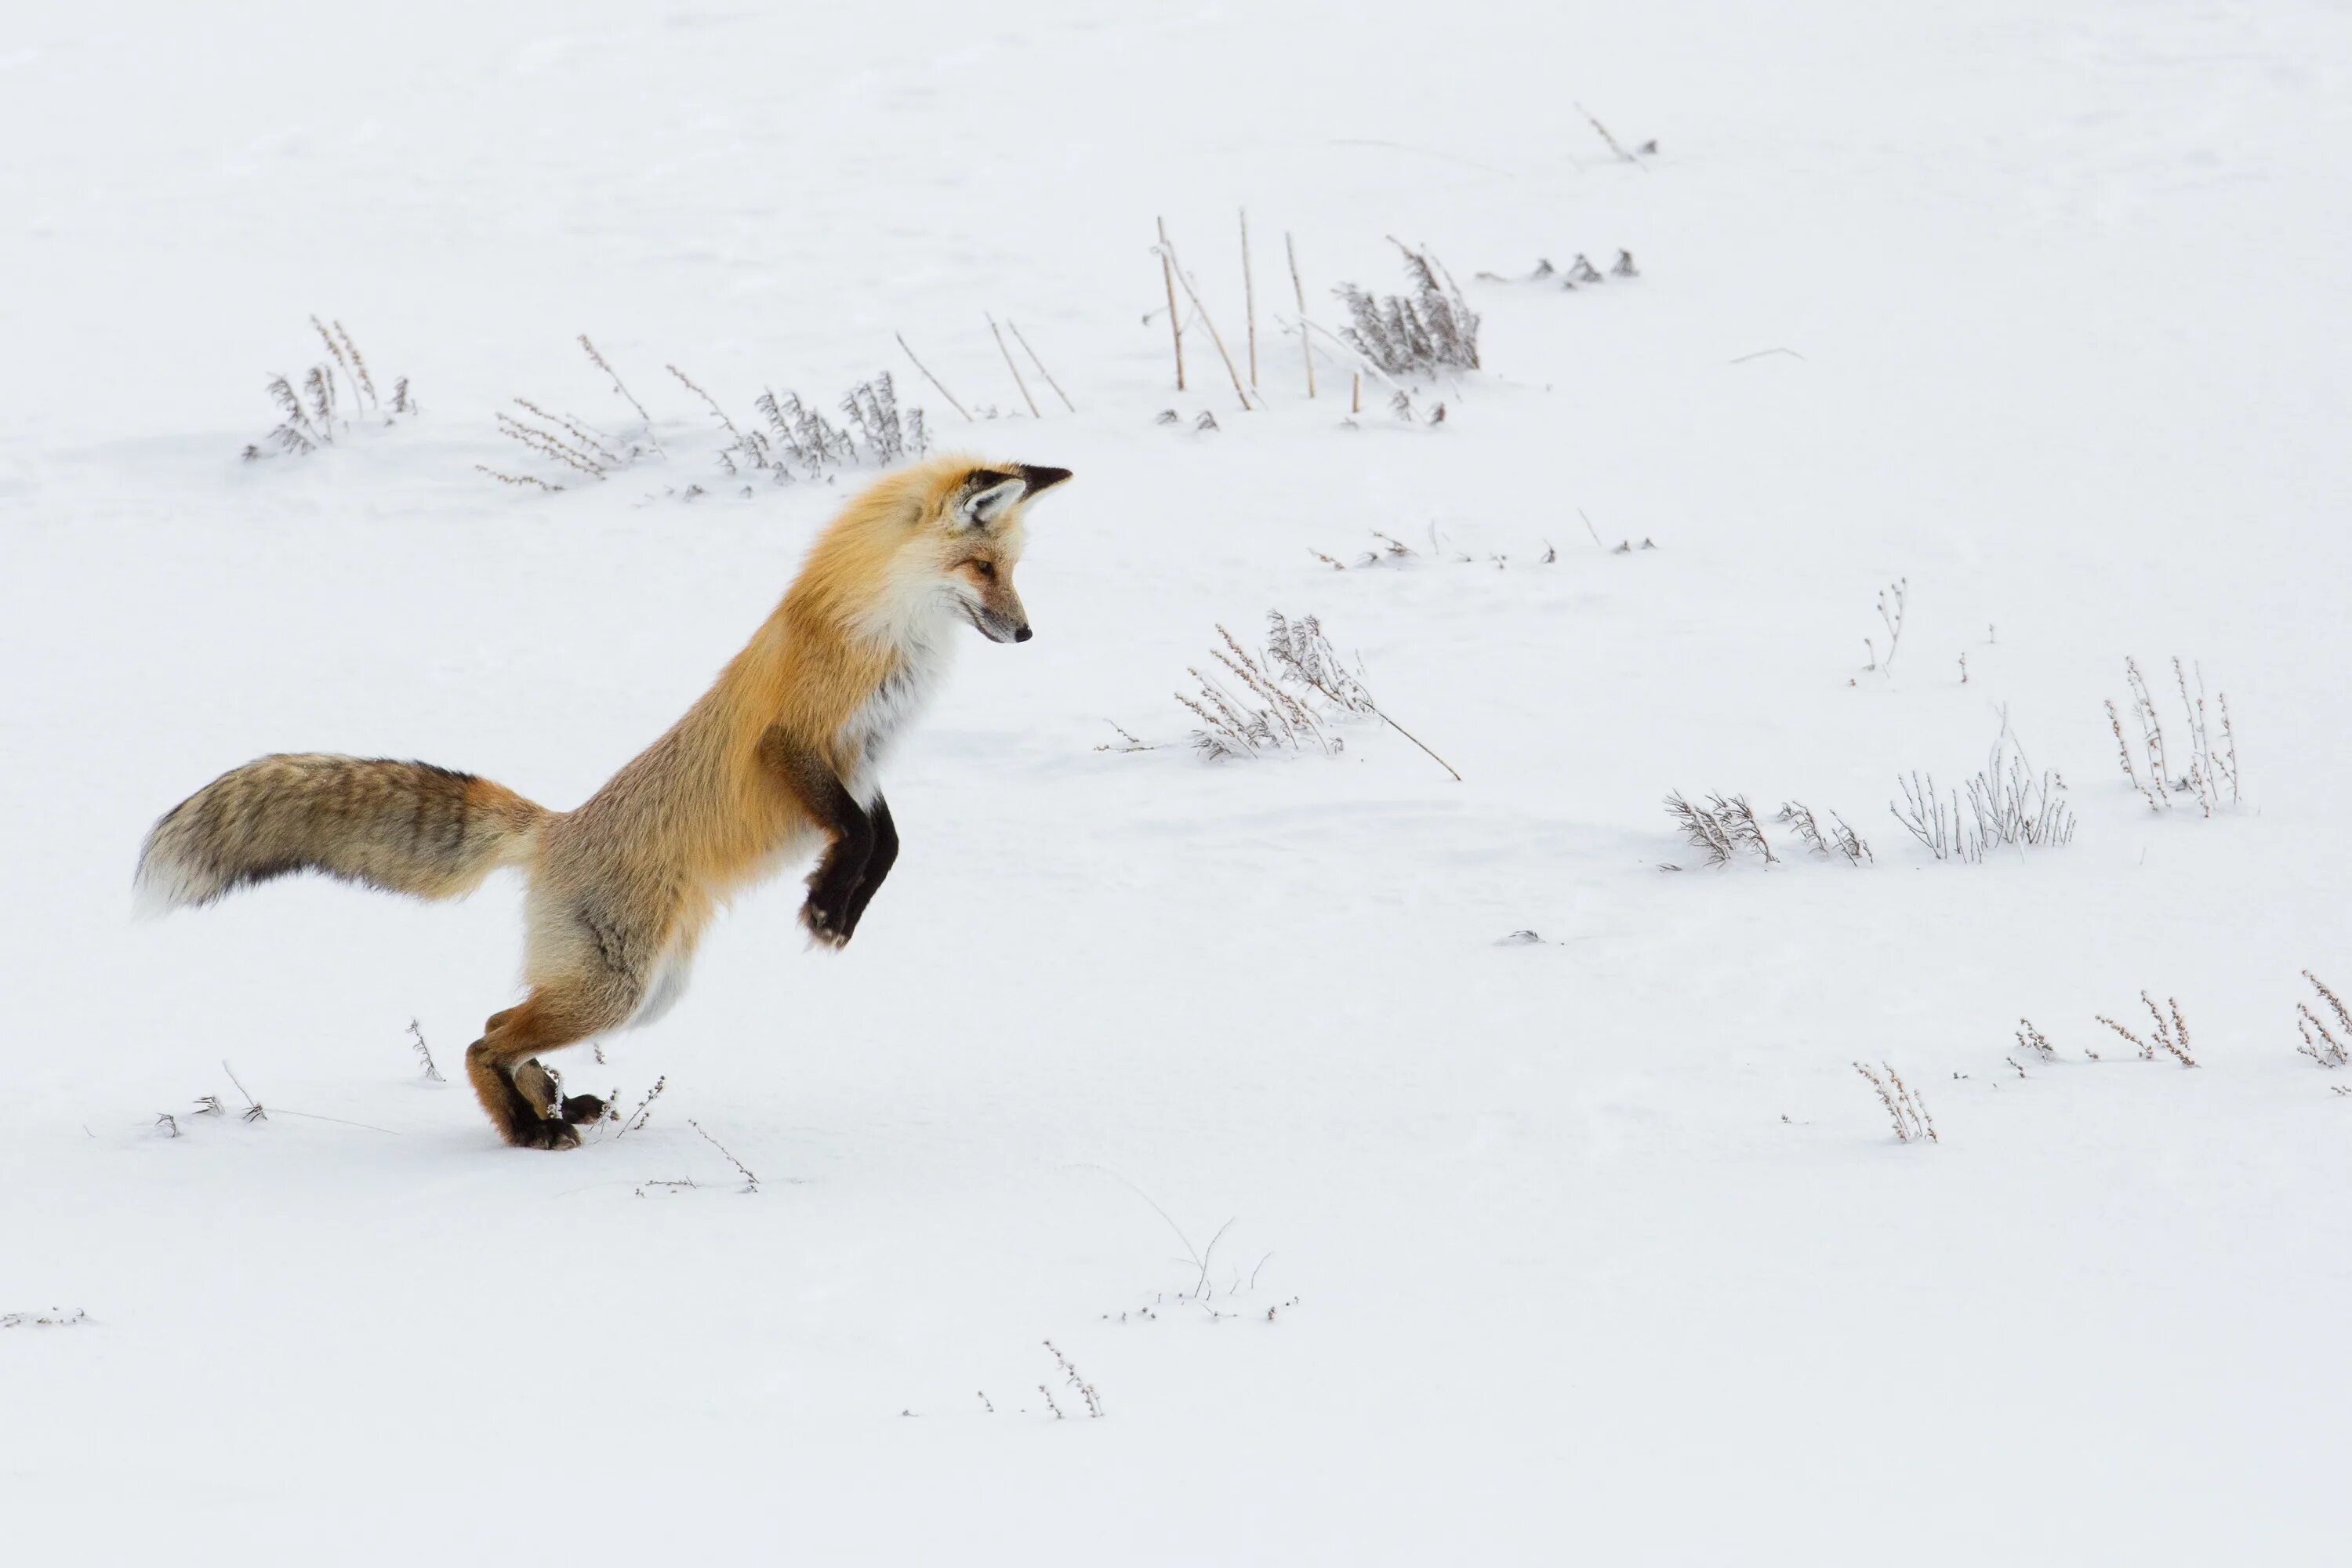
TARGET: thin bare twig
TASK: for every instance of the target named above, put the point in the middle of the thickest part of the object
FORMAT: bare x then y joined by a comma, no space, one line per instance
720,414
1614,146
1014,328
934,380
1014,368
751,1181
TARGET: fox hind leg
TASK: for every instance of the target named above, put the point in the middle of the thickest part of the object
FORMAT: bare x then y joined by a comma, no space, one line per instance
515,1089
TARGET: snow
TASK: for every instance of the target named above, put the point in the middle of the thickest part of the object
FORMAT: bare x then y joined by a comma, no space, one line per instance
1590,1248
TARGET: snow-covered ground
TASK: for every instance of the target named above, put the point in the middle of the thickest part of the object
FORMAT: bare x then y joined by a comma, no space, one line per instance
1590,1248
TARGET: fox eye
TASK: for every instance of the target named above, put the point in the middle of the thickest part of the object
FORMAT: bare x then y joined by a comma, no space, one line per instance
987,569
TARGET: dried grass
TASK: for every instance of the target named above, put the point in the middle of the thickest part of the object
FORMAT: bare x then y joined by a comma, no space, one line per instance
2320,1043
644,1113
2003,804
52,1318
788,441
423,1052
1070,1375
621,390
2170,1035
2211,769
1904,1108
1891,604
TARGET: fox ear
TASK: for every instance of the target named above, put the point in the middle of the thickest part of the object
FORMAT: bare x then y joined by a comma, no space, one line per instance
1041,479
1000,493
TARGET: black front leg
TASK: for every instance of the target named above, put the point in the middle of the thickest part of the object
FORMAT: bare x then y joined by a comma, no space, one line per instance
877,864
830,910
834,884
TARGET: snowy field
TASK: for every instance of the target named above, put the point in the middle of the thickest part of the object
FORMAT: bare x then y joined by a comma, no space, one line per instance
1589,1248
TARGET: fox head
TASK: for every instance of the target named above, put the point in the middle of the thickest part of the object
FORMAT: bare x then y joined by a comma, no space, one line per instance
967,542
925,549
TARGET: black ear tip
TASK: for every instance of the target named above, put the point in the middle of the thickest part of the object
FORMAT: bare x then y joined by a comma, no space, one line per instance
1039,478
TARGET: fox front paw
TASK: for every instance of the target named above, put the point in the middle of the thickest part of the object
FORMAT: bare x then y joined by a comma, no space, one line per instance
827,921
582,1109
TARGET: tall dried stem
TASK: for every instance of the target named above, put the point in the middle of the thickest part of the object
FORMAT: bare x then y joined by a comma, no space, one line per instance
1306,347
1249,299
1176,268
1175,321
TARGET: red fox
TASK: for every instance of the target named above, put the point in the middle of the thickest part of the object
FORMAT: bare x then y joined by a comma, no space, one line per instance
781,752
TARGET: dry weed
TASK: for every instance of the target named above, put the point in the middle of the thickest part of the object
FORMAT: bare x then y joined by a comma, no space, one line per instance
1904,1108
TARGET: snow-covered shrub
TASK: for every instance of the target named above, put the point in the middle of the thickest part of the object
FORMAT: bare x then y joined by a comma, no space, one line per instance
1262,715
331,394
1838,840
1283,699
1428,329
1725,828
798,440
1579,272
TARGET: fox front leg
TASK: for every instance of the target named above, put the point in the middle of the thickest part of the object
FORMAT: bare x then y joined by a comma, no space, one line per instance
832,886
830,910
877,864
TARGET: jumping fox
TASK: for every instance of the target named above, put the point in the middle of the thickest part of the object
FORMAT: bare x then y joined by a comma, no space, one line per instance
782,751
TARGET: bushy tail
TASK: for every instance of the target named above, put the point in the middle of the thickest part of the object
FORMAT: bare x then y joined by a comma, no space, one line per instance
407,828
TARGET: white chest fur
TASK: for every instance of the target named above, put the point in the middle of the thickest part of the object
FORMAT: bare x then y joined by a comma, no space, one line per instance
882,717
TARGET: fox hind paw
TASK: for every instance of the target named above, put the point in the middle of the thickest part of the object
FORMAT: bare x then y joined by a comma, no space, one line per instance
543,1135
580,1110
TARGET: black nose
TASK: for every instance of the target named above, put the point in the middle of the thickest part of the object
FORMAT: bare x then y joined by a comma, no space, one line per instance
1023,635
